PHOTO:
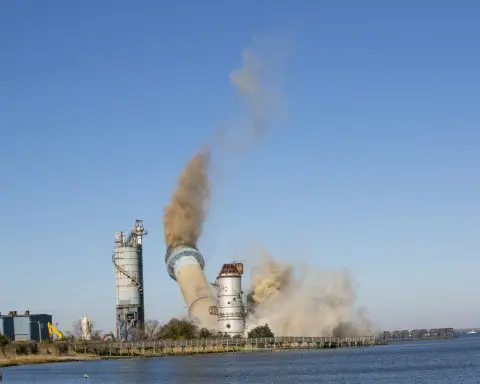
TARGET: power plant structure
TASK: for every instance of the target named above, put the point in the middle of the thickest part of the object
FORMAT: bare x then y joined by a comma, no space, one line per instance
128,261
231,310
86,326
185,265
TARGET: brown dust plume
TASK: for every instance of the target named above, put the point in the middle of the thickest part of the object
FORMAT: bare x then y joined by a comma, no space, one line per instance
184,216
186,212
304,302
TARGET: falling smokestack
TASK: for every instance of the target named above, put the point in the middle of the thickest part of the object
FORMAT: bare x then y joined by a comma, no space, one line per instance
183,221
185,214
185,265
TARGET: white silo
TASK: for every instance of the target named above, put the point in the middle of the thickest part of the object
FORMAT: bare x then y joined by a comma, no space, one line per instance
86,325
231,311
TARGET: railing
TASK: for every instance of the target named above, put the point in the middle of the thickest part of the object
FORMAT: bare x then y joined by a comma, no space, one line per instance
234,342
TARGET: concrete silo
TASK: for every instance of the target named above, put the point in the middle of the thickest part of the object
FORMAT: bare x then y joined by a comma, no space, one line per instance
128,261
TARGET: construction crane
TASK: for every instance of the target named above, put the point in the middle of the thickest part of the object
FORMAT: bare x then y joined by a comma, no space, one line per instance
52,329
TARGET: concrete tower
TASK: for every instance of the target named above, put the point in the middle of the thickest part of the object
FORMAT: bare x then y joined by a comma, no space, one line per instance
185,265
231,311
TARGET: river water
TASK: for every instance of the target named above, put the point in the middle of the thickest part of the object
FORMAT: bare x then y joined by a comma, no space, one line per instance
431,362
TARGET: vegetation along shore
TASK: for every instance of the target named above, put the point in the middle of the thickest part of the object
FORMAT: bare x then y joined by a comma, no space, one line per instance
259,339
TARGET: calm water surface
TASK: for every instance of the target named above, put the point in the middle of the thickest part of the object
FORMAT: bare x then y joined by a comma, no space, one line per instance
434,362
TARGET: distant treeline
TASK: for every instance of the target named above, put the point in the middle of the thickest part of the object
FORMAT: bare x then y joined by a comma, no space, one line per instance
175,329
180,329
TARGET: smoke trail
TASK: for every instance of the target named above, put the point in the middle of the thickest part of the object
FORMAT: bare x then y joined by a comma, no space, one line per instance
186,213
249,81
309,303
184,216
258,81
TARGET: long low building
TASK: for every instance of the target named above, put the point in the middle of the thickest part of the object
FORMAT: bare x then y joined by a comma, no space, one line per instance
26,327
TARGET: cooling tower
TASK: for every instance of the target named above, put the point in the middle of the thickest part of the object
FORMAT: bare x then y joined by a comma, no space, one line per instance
185,265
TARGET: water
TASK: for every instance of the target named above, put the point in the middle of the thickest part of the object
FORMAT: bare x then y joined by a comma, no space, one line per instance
433,362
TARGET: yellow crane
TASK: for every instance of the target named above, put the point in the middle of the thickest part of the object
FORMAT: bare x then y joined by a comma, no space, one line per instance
52,329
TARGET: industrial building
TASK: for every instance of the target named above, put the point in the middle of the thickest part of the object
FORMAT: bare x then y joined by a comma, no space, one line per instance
26,327
128,261
185,265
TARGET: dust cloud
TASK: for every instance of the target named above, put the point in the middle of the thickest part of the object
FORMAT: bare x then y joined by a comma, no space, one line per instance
304,301
249,82
184,216
299,301
187,210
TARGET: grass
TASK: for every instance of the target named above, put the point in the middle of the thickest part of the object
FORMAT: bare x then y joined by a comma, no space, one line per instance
41,359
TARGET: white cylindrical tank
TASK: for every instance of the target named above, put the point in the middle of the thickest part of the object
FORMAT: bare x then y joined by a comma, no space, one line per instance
86,326
231,311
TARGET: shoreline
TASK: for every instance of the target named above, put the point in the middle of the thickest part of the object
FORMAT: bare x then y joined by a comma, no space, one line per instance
44,359
48,359
34,353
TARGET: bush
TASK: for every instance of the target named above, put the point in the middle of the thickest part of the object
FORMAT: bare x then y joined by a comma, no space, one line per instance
23,348
261,331
3,341
204,333
177,329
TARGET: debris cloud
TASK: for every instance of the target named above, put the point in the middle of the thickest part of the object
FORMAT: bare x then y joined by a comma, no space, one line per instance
304,301
184,216
186,213
248,81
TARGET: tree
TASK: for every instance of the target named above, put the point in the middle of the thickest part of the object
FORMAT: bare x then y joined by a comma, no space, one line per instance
77,332
261,331
151,329
204,333
3,343
177,329
136,334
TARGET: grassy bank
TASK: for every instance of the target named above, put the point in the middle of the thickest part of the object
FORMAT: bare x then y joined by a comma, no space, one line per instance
42,359
38,353
18,353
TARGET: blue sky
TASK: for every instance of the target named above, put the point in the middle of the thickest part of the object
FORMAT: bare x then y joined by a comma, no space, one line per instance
374,167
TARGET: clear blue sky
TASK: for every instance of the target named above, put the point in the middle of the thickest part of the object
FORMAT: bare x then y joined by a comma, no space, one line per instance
374,168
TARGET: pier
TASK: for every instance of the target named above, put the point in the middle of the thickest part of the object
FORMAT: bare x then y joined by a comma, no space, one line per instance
203,346
417,335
